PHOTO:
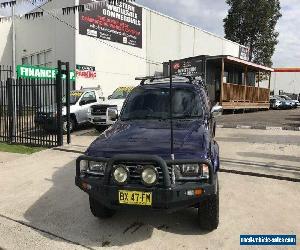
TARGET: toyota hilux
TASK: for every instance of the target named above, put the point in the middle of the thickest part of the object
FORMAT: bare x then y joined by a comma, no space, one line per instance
161,154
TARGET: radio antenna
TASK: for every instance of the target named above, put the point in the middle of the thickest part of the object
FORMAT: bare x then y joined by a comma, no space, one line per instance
171,111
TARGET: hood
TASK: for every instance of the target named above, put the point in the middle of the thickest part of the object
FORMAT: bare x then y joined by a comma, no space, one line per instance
191,140
115,102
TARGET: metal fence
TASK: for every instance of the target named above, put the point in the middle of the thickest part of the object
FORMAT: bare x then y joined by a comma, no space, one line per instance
30,110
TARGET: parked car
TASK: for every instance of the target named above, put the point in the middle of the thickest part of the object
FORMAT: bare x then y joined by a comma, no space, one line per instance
80,102
132,165
98,114
275,103
295,103
284,104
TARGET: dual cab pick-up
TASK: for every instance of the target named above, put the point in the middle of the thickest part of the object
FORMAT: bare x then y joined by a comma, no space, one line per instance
131,164
80,103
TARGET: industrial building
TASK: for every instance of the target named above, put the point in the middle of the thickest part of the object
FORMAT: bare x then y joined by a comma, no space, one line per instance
286,81
107,45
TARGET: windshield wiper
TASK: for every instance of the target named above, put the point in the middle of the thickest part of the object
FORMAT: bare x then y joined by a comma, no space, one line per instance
148,117
187,117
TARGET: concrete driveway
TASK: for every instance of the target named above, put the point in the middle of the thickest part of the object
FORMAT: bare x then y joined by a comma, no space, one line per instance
40,207
7,157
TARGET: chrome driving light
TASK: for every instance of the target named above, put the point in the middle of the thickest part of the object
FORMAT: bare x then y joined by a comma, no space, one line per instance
149,175
120,174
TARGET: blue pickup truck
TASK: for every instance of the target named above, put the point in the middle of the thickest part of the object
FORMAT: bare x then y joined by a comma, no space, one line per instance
152,158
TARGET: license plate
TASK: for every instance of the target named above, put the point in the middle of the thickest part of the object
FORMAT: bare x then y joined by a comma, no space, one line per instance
135,198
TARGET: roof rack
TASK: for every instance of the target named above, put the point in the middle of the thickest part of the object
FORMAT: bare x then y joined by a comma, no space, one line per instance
153,78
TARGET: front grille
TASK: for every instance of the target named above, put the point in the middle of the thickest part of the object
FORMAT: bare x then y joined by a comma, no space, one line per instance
99,110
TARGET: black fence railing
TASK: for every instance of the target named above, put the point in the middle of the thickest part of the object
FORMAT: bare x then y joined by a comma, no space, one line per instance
30,110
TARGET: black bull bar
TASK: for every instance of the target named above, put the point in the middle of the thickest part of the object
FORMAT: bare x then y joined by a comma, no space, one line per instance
140,158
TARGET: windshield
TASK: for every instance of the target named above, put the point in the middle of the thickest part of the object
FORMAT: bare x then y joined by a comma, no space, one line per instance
154,104
286,97
121,93
74,97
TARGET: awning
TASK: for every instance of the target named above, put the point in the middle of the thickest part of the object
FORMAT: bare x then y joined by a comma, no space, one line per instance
250,64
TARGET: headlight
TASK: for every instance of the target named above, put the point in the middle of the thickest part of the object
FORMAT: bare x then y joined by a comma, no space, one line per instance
191,171
97,167
149,176
92,167
120,174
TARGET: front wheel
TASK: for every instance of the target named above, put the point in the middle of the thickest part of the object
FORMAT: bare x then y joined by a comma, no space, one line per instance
100,211
208,212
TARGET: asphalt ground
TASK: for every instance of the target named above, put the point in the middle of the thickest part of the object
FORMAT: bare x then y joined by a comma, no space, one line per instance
41,208
261,119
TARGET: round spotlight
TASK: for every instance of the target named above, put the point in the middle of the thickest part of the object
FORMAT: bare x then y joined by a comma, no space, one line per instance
120,174
149,176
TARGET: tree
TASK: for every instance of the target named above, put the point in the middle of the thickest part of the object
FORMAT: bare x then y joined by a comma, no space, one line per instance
252,23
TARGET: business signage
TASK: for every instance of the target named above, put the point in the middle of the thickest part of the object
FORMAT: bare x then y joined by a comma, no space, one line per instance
244,53
194,67
120,23
35,72
85,71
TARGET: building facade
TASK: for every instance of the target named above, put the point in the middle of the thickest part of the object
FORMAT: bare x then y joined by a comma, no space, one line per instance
108,45
286,80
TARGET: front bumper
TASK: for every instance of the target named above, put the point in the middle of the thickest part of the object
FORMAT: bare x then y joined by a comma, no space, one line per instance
168,197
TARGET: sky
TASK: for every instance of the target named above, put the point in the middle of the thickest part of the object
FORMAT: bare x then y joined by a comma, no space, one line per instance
209,15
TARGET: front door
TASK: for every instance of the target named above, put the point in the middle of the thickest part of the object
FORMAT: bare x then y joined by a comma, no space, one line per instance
86,101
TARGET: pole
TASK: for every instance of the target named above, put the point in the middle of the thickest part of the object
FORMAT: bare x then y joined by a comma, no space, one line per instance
269,86
222,82
246,81
13,41
14,70
59,104
68,101
171,112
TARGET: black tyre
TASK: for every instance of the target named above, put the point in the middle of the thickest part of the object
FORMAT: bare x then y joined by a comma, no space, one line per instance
100,211
72,125
208,212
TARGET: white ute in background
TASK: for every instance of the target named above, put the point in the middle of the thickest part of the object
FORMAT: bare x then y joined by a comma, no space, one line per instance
99,114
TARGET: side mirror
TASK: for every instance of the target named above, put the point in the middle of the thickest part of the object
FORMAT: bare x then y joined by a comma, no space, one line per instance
82,102
112,114
109,97
216,110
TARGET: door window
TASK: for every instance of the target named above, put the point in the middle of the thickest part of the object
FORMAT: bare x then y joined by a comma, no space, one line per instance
88,97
